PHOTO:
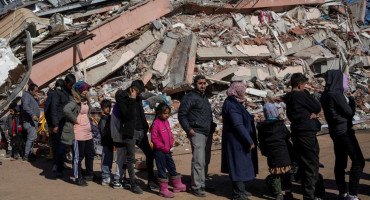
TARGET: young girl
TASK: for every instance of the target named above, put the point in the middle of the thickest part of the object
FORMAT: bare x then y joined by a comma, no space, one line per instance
162,140
273,137
78,129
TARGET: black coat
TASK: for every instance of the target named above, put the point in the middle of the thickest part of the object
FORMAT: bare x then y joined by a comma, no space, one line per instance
59,99
273,137
105,133
338,112
128,109
299,107
195,113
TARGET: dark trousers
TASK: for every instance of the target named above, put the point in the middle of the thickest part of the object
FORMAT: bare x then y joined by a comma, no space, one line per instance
59,150
239,191
307,151
164,161
347,145
141,140
83,149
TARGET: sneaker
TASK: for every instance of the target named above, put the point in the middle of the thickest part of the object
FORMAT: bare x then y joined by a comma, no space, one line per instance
16,156
352,197
89,177
288,196
80,182
199,193
105,182
8,154
280,197
126,183
342,196
135,188
116,185
54,169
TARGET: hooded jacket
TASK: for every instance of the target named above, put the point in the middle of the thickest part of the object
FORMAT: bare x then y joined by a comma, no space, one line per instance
71,112
299,107
128,114
273,138
161,136
338,112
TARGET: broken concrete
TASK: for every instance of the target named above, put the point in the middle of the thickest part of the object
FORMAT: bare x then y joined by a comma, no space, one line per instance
162,62
240,52
315,54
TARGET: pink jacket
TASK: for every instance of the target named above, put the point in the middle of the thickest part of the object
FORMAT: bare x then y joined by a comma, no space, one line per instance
161,136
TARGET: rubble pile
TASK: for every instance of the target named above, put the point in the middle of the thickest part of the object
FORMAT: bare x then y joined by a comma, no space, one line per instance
109,44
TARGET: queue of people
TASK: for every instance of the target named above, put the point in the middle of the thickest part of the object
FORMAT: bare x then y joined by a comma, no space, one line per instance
124,126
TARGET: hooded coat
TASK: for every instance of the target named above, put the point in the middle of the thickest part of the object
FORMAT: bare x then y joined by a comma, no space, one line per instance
273,138
237,137
338,112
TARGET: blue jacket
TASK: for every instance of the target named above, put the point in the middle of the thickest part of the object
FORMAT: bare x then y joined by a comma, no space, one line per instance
237,136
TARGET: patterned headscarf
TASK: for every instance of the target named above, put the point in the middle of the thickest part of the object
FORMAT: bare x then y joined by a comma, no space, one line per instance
237,89
345,83
81,86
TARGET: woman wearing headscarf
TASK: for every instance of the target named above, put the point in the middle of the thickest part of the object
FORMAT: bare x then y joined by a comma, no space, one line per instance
77,132
339,111
238,141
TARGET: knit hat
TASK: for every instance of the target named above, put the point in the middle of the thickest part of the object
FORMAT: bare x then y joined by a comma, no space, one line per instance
237,89
81,86
270,111
139,85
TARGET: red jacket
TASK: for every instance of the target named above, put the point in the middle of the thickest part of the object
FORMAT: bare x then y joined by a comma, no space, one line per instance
161,136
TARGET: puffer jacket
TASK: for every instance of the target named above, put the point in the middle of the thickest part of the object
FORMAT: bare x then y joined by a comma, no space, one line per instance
161,136
71,112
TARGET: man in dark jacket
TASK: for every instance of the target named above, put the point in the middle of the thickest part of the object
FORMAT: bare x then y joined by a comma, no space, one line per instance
30,116
339,111
195,116
134,132
302,110
59,99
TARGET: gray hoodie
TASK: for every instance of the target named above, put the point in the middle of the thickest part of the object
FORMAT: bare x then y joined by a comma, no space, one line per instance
30,107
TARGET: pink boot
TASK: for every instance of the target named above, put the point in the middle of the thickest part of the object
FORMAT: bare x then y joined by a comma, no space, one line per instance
164,192
177,184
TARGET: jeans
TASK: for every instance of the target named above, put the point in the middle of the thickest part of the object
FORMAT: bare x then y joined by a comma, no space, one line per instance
141,140
307,150
164,161
121,164
345,146
83,150
106,162
31,136
201,149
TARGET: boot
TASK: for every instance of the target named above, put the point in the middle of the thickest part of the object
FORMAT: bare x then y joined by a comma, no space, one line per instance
177,184
164,192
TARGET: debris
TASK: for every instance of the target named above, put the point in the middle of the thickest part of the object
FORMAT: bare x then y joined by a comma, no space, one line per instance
256,92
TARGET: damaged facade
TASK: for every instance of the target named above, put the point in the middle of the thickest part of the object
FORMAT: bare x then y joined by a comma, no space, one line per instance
166,43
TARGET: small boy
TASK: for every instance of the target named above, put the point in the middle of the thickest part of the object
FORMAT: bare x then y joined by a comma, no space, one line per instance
106,142
302,110
13,131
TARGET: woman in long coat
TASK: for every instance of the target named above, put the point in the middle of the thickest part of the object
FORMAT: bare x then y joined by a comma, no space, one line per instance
238,141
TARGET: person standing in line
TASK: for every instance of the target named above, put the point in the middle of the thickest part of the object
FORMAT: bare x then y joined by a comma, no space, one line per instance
237,141
195,117
59,99
162,139
302,110
339,111
77,131
13,131
133,130
30,116
273,141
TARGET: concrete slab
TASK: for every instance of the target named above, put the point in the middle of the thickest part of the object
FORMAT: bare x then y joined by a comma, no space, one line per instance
162,61
315,54
206,53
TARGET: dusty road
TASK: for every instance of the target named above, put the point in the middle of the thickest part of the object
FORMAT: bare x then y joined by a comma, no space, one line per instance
19,180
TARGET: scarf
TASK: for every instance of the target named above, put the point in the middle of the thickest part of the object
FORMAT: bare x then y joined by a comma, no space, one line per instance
237,89
81,86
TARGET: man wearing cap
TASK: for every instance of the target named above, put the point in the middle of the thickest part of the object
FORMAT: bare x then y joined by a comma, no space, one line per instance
134,128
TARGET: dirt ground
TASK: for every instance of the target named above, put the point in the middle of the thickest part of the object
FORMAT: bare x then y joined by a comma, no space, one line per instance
20,180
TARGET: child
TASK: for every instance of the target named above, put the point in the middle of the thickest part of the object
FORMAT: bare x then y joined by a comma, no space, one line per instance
13,131
273,137
106,142
302,110
162,140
